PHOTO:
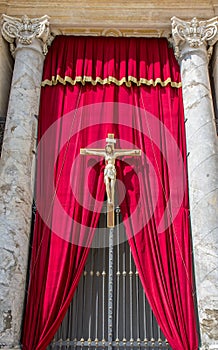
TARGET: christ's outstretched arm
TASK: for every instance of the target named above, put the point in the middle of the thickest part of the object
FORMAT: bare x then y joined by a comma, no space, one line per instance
128,152
93,151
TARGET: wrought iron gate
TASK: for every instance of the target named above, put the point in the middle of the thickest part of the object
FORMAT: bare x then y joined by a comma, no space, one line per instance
109,309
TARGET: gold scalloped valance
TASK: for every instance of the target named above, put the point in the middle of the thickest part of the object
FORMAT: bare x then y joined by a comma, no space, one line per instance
127,81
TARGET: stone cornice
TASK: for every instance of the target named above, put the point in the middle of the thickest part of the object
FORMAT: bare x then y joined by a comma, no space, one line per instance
194,33
92,17
24,30
111,31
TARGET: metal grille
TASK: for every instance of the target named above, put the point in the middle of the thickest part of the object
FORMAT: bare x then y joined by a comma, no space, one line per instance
109,308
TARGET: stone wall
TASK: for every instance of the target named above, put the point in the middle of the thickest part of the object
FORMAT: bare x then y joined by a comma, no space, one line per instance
6,67
214,76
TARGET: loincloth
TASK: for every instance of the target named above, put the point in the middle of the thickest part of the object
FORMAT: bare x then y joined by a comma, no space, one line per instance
110,172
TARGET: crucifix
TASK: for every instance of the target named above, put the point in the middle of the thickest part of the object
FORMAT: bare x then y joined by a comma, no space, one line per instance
110,154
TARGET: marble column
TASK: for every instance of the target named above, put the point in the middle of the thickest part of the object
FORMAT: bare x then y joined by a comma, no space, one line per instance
28,44
193,43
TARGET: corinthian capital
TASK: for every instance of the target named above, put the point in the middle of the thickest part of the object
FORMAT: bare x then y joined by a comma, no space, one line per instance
24,30
195,33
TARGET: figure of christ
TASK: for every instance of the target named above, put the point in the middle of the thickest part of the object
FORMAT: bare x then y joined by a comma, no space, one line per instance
110,156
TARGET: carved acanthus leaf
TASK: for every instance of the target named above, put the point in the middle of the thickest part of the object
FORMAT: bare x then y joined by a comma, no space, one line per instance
24,30
195,33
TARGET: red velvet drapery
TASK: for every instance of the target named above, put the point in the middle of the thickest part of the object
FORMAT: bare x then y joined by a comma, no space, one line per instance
97,93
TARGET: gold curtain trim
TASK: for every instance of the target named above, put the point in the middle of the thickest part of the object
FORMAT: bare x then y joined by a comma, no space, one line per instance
128,82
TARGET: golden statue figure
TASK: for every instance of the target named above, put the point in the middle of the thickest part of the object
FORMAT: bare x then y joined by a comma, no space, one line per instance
110,154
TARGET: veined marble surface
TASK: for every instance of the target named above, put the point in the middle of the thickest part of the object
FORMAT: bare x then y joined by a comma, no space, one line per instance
16,186
202,169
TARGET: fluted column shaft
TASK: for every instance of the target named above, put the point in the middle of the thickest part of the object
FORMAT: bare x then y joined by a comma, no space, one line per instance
27,40
190,41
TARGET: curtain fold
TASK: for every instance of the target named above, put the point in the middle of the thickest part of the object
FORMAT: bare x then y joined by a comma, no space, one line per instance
70,188
115,60
60,244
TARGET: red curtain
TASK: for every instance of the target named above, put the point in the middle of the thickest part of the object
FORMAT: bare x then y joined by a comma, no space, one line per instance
70,188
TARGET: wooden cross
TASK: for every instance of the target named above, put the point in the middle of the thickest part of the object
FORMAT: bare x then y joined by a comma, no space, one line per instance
110,154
